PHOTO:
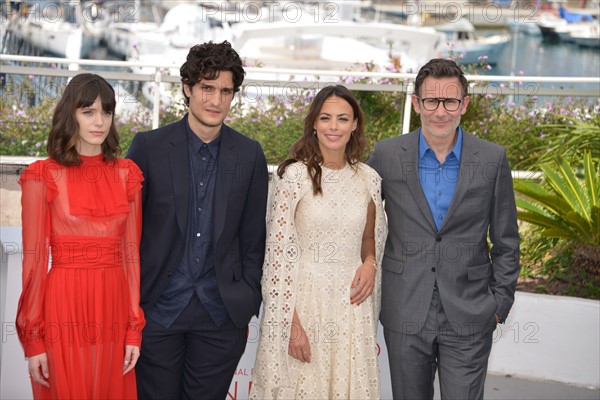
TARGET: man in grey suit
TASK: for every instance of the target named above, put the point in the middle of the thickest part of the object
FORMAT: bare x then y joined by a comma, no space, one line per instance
444,288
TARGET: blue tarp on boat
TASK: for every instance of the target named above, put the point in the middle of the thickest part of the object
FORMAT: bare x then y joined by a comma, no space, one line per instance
571,17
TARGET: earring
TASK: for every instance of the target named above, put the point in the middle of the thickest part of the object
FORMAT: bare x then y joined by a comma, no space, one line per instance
352,133
314,131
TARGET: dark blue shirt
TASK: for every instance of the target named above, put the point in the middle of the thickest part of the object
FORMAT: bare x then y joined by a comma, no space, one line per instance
438,181
196,272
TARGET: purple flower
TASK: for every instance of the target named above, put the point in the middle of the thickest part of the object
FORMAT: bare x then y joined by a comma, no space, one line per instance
521,73
542,136
488,67
38,145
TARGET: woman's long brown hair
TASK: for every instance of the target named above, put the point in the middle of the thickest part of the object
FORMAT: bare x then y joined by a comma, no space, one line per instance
307,150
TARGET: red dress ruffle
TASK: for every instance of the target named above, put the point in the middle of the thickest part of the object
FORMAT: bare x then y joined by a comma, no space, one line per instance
85,308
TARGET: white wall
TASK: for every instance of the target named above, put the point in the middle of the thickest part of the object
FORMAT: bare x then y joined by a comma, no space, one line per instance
545,337
550,337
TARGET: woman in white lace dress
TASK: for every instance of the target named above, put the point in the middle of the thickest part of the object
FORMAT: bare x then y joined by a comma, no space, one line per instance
322,284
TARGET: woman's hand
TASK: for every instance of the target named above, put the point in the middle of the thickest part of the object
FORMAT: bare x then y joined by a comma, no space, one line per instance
132,353
364,281
299,347
38,369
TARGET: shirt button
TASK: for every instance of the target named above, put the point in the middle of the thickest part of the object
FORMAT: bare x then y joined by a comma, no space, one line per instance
439,193
199,208
201,183
438,239
198,234
197,260
433,269
203,158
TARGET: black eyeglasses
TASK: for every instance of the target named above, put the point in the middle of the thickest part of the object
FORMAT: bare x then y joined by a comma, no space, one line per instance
432,103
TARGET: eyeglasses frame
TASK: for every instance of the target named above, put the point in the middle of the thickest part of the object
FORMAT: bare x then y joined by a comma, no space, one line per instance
440,100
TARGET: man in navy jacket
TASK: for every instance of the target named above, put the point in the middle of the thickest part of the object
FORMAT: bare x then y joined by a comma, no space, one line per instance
203,236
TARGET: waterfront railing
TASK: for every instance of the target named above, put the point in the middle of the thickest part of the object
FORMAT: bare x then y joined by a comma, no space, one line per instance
517,88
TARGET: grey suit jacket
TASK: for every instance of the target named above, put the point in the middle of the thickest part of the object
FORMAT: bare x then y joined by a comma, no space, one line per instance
475,281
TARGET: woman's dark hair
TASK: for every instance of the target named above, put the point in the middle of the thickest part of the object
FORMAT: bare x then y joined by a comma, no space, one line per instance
81,91
441,68
306,149
205,61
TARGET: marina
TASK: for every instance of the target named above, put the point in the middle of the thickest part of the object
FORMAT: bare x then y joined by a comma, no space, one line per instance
297,42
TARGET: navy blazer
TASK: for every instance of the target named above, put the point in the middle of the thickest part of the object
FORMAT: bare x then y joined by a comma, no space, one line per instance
239,230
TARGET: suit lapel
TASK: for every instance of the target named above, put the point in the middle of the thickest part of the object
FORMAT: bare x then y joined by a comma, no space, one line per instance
227,171
469,161
410,151
180,174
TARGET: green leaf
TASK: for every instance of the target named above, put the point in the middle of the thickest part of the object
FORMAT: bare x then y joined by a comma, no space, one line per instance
569,211
536,192
591,179
575,188
579,224
538,219
529,206
558,183
559,233
595,226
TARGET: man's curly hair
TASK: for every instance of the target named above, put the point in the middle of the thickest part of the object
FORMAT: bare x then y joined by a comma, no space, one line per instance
205,61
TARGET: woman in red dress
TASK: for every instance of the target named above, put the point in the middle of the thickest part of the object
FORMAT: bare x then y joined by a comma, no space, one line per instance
80,321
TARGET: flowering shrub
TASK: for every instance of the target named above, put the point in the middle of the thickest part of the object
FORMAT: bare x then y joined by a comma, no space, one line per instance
529,131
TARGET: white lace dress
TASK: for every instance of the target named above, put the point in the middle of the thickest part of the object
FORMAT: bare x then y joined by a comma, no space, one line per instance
310,266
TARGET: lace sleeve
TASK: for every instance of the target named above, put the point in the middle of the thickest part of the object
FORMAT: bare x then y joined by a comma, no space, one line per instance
373,181
279,279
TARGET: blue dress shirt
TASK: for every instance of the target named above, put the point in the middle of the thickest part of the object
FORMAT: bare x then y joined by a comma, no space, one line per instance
438,180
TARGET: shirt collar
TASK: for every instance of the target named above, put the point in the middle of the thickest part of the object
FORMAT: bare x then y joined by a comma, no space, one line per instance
196,143
456,149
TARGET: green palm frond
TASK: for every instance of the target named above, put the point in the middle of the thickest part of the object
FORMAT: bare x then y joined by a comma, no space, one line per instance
591,180
532,207
566,184
538,219
570,209
553,203
571,139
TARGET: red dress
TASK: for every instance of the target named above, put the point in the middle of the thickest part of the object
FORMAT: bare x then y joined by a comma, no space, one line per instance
85,308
